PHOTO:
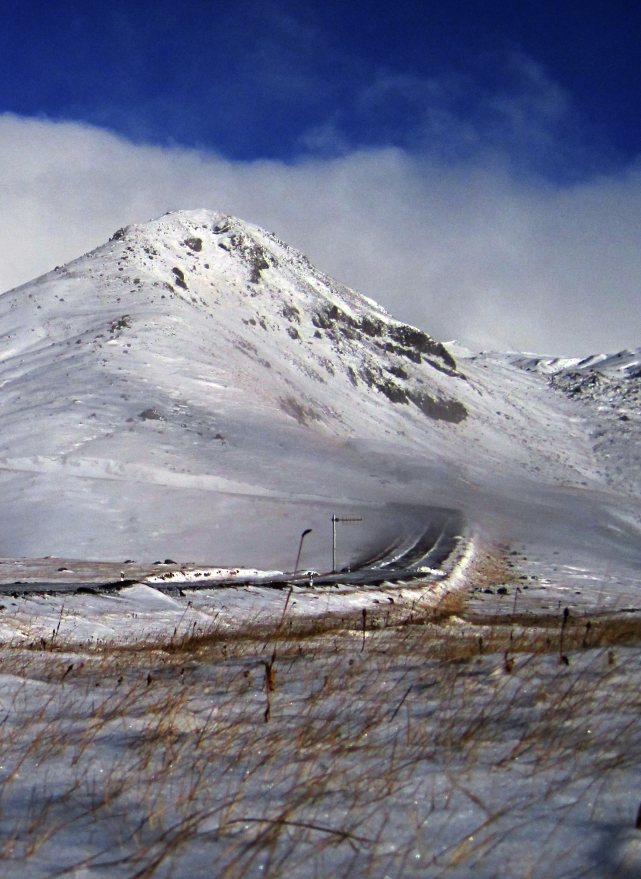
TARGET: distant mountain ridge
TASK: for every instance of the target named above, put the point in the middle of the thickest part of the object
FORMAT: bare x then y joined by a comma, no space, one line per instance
608,387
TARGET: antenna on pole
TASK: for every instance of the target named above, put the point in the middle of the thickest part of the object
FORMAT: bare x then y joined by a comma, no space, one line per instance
336,519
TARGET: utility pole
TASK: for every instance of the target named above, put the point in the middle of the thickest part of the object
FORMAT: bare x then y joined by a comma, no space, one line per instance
336,519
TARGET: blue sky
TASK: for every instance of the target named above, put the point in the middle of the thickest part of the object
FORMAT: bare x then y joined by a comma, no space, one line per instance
472,165
553,86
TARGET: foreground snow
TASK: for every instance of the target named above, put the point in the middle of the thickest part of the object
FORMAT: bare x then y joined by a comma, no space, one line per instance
409,751
479,726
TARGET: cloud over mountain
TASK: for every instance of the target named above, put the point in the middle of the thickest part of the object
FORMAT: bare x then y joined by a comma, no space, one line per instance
466,251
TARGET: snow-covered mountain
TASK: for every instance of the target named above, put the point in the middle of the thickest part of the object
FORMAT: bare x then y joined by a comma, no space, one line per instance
196,389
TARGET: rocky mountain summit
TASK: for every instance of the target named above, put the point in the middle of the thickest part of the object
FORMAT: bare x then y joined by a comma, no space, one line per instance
263,294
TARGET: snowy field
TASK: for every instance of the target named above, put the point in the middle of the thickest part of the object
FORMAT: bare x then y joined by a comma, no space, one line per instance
468,728
410,751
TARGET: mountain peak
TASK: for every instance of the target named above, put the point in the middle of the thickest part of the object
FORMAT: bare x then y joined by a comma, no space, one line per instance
191,359
186,233
205,237
251,283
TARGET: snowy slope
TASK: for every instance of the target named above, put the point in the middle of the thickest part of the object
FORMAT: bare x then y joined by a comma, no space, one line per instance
607,389
194,388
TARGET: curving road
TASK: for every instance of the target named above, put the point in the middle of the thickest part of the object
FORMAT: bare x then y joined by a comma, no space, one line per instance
419,556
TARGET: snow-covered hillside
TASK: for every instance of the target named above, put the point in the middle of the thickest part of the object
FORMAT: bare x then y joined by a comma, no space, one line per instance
194,388
607,388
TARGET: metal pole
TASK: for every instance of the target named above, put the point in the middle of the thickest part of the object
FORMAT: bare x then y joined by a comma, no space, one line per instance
300,546
336,519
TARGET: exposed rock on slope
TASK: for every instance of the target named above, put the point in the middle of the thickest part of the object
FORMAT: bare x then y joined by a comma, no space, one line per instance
607,387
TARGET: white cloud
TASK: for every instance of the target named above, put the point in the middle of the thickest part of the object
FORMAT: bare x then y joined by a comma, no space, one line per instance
463,252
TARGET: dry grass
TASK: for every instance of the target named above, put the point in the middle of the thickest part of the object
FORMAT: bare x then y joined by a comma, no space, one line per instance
361,746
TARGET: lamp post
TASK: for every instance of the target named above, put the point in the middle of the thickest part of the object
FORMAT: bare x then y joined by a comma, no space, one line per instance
300,546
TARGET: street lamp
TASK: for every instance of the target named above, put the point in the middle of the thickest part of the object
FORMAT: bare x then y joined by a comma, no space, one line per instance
300,546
